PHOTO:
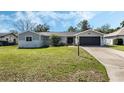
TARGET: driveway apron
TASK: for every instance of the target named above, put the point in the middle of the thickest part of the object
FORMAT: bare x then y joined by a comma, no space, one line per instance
112,59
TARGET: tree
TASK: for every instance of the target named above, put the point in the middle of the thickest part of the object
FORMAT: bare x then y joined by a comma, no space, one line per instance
105,29
83,25
23,25
122,24
72,29
42,28
54,40
117,28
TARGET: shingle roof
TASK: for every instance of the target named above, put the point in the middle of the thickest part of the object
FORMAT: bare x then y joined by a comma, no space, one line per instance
89,31
3,34
58,33
119,32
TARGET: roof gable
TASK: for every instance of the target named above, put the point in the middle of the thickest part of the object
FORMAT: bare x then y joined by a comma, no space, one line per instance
5,34
28,32
89,32
119,32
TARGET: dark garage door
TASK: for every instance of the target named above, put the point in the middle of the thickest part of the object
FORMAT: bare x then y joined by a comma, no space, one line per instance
90,41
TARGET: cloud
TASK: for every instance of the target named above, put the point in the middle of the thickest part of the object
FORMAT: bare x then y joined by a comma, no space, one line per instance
86,15
4,17
3,30
52,18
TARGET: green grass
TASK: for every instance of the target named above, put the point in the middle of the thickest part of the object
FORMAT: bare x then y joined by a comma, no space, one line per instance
49,64
118,47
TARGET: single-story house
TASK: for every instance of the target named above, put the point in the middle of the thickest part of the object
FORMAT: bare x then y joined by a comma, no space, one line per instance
8,37
39,39
114,38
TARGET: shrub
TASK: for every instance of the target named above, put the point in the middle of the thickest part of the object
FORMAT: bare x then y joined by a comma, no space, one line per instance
4,43
54,40
62,44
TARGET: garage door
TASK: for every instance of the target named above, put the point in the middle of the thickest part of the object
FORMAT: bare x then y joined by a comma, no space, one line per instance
90,41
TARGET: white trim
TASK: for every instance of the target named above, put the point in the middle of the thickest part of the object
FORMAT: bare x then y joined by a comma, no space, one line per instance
101,41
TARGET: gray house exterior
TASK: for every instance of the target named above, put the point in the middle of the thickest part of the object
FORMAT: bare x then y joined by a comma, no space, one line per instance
40,39
31,39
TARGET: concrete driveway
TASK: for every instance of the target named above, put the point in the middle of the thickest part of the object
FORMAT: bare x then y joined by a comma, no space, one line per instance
112,59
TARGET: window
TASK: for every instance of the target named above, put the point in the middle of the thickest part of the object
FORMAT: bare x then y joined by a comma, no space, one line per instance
28,38
14,40
6,39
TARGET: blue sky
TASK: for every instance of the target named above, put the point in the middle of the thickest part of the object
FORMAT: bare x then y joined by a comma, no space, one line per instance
61,20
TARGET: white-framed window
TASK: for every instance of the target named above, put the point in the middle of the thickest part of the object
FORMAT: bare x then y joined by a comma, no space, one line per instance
28,38
7,39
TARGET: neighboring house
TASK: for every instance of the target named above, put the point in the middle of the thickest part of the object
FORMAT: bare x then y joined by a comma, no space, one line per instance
39,39
8,37
117,35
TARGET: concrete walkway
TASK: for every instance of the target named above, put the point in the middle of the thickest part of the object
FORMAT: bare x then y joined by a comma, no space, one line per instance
112,59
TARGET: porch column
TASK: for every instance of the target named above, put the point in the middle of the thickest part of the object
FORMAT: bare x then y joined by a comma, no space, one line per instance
101,41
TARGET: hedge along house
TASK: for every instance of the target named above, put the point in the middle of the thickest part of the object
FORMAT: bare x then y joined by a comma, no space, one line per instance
115,38
40,39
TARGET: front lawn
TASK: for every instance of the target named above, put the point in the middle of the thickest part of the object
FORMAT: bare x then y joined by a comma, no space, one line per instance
49,64
118,47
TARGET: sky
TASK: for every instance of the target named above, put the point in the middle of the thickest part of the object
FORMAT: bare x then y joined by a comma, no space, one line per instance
59,21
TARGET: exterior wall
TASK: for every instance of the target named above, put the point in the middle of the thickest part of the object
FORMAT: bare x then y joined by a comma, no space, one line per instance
32,44
23,35
63,39
109,41
36,40
45,41
10,38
